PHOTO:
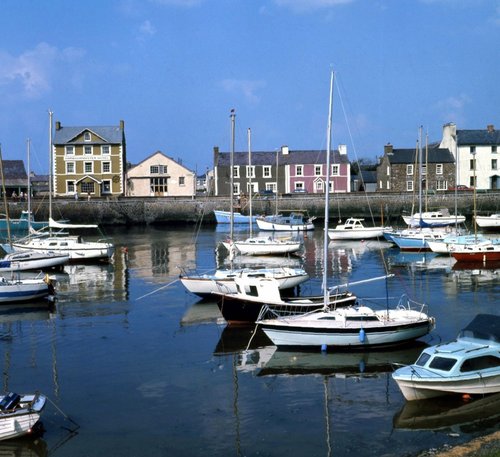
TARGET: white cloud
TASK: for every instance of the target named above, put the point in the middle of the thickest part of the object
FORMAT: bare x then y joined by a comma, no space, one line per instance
452,109
300,6
147,29
247,88
31,73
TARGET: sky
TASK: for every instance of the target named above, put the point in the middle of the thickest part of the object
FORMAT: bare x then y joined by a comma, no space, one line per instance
172,70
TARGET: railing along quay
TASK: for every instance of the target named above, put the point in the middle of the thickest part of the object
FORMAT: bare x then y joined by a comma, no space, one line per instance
386,206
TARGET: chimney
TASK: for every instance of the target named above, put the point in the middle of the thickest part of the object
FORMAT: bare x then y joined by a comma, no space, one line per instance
491,128
58,125
284,150
342,149
122,125
388,148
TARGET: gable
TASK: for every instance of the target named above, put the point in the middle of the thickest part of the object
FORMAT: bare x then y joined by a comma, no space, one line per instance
158,158
99,135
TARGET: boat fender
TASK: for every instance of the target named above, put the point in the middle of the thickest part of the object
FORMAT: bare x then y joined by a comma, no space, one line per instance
47,280
323,347
362,336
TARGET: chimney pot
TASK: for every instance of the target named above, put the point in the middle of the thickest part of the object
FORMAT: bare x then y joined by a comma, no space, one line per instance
491,128
58,125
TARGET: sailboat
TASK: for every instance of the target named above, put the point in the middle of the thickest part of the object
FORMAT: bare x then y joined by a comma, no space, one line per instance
260,245
55,238
354,326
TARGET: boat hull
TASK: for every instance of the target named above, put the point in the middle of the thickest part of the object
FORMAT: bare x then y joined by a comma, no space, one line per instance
488,222
224,217
21,421
261,246
364,234
25,290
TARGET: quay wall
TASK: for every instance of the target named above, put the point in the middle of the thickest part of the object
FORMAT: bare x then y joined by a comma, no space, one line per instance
387,207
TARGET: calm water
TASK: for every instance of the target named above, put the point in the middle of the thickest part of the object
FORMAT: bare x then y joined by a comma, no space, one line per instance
146,369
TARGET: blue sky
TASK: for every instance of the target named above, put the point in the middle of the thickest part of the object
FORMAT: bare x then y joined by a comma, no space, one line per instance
173,70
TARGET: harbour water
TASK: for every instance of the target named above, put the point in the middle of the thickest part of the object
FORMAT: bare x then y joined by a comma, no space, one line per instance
147,369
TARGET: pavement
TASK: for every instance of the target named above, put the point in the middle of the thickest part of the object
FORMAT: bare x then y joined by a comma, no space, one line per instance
485,446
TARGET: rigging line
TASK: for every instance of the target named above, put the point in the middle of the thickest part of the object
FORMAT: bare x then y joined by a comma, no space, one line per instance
63,413
160,288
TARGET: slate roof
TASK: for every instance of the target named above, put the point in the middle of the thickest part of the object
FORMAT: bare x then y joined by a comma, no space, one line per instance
293,157
102,135
434,155
14,169
478,137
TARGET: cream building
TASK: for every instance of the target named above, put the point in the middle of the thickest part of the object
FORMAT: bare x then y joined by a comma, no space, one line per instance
160,176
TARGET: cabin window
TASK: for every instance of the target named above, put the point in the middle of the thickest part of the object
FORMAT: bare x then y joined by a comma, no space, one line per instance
70,167
439,168
70,150
409,170
362,318
87,150
106,167
105,149
266,171
442,363
86,136
480,363
88,167
423,359
252,290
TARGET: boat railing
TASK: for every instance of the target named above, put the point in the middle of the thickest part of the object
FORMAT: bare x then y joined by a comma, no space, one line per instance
406,303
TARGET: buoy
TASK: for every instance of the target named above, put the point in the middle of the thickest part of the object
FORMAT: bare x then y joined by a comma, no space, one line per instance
362,336
323,347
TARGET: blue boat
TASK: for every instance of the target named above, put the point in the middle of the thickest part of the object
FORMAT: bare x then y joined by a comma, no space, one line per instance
21,226
224,217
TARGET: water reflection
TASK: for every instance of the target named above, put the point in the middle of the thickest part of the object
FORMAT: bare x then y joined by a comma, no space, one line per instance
456,413
24,448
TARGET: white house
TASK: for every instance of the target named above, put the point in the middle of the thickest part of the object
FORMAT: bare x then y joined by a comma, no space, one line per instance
160,176
476,153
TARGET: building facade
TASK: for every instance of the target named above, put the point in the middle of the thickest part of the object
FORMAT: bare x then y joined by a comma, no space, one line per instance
477,155
399,169
284,171
89,161
160,176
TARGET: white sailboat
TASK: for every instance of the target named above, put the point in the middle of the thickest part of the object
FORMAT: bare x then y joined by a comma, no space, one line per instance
355,326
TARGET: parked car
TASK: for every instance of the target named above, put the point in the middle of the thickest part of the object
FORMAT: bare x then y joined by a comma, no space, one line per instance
300,190
460,187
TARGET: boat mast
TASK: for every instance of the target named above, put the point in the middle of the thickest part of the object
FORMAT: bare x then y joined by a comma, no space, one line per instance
6,204
231,190
29,186
277,182
420,175
50,166
327,192
250,178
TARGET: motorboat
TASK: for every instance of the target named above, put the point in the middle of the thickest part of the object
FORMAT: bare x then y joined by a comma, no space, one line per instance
491,222
294,221
254,293
354,229
470,364
204,284
486,251
19,414
32,260
224,217
263,246
21,290
450,242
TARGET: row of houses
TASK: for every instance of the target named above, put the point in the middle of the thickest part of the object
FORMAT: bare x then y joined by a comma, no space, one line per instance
92,161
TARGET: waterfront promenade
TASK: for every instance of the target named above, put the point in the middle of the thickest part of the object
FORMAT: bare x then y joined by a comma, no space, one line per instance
387,207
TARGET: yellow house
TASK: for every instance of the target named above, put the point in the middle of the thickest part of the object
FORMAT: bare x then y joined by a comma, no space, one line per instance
160,176
89,161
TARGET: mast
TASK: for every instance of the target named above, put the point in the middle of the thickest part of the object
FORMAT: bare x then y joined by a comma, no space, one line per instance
277,183
6,204
420,175
29,186
50,165
327,192
231,190
250,178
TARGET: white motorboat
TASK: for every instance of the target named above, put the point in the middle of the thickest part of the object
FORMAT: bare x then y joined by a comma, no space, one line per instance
451,242
204,285
468,365
354,229
491,222
224,217
263,246
354,326
19,414
20,290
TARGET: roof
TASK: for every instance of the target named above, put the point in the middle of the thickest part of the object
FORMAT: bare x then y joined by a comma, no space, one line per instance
433,155
293,157
108,134
14,169
164,157
478,137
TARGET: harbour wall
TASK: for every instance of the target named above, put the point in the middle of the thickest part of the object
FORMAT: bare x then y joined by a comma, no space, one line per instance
386,207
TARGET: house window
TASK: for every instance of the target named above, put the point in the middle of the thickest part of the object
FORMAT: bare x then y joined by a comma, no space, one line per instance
106,167
236,188
86,136
299,185
157,169
493,164
494,149
473,149
409,170
105,149
299,170
70,187
70,167
319,186
158,186
271,186
106,186
250,171
182,181
70,150
441,184
236,171
439,168
424,170
88,167
409,186
472,182
87,187
318,169
472,164
335,170
87,150
266,171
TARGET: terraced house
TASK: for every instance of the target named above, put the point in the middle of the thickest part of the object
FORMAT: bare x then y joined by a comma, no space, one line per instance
89,161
